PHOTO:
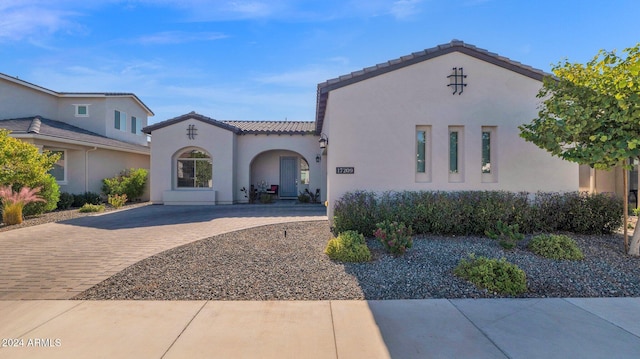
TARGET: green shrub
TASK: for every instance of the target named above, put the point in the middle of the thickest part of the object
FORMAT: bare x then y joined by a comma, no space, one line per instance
304,198
555,246
81,199
49,192
65,201
507,235
395,237
350,246
130,182
266,198
476,212
493,274
92,208
117,201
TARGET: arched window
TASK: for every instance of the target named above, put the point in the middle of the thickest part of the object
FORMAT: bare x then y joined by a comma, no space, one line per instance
194,169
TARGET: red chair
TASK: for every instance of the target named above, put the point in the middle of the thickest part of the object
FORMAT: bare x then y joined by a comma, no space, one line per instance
273,190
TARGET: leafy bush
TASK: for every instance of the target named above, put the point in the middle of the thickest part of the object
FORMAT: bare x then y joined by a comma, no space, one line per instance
477,212
555,246
49,192
65,201
304,198
81,199
350,246
394,236
507,235
130,182
494,275
266,198
117,201
92,208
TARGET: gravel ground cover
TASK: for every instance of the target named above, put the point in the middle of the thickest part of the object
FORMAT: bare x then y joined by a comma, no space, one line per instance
286,262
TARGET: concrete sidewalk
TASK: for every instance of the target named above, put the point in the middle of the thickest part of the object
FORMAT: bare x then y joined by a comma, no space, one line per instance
438,328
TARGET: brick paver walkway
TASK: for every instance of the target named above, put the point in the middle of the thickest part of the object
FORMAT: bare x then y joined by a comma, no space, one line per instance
60,260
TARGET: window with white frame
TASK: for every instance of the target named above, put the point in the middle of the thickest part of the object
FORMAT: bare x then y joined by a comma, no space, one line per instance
120,120
81,110
456,154
59,170
489,164
136,125
423,153
194,169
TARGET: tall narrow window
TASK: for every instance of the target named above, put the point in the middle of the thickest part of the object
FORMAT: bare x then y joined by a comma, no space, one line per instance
489,163
136,125
453,152
58,171
304,171
120,120
456,154
486,152
421,145
423,153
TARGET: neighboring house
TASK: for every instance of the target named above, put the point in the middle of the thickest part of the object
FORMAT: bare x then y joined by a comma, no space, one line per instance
445,118
198,160
98,134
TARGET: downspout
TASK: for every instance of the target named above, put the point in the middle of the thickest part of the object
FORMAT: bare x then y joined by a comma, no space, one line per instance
86,168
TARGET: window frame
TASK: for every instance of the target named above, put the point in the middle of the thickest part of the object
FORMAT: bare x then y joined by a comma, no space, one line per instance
422,176
120,122
136,125
492,175
77,110
195,160
64,166
456,175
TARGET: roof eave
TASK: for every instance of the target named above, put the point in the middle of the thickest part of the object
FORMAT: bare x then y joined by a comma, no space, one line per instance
79,143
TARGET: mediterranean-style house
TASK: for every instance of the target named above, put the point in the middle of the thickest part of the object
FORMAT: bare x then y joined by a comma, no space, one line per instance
97,134
445,118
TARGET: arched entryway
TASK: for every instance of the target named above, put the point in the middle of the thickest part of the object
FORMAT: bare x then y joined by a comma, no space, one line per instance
284,172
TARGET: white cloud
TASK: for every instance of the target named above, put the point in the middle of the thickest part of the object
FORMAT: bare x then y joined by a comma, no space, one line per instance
402,9
19,22
178,37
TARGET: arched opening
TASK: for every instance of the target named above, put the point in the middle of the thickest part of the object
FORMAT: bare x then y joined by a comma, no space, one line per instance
193,169
285,171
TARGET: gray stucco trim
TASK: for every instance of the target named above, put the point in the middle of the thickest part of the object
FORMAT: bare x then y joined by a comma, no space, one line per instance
190,115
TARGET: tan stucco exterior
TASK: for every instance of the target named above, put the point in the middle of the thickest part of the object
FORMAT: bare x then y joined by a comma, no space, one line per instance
371,126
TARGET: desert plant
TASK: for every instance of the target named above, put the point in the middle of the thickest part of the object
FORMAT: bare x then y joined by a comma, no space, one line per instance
91,208
13,202
493,274
555,246
349,246
314,197
116,200
266,198
507,235
130,182
303,197
395,237
250,194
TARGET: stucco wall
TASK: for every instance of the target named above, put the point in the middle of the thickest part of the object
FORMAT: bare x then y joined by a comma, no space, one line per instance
371,126
131,108
19,101
216,141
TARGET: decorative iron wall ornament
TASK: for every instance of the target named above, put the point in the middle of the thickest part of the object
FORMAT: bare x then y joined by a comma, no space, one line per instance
192,131
456,80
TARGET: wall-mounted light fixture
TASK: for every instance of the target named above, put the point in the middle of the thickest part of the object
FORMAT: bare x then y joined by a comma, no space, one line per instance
318,158
324,141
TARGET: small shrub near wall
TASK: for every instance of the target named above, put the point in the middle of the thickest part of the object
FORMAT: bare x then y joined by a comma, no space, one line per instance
476,212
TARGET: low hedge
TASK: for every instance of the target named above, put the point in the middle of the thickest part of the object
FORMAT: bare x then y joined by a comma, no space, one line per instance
475,212
350,246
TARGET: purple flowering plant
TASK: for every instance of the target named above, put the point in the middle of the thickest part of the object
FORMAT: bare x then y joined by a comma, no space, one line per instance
395,237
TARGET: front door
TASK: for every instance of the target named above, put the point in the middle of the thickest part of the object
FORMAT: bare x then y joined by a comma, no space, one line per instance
288,176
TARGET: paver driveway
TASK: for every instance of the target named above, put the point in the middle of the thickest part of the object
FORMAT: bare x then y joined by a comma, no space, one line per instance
60,260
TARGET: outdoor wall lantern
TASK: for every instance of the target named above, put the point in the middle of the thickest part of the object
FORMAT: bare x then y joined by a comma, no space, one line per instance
318,158
324,141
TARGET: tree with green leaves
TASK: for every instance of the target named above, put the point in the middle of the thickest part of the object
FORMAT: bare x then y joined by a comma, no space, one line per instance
22,165
590,114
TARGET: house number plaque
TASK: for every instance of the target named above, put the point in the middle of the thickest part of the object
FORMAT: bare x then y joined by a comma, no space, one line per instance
345,170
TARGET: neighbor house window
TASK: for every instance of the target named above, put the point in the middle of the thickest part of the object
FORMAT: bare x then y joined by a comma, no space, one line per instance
120,120
194,170
136,125
81,110
488,151
423,153
59,170
456,154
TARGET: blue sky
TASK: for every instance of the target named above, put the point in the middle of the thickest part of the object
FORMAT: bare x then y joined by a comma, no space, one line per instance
262,59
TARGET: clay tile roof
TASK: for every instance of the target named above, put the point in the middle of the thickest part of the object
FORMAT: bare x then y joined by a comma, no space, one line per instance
273,127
